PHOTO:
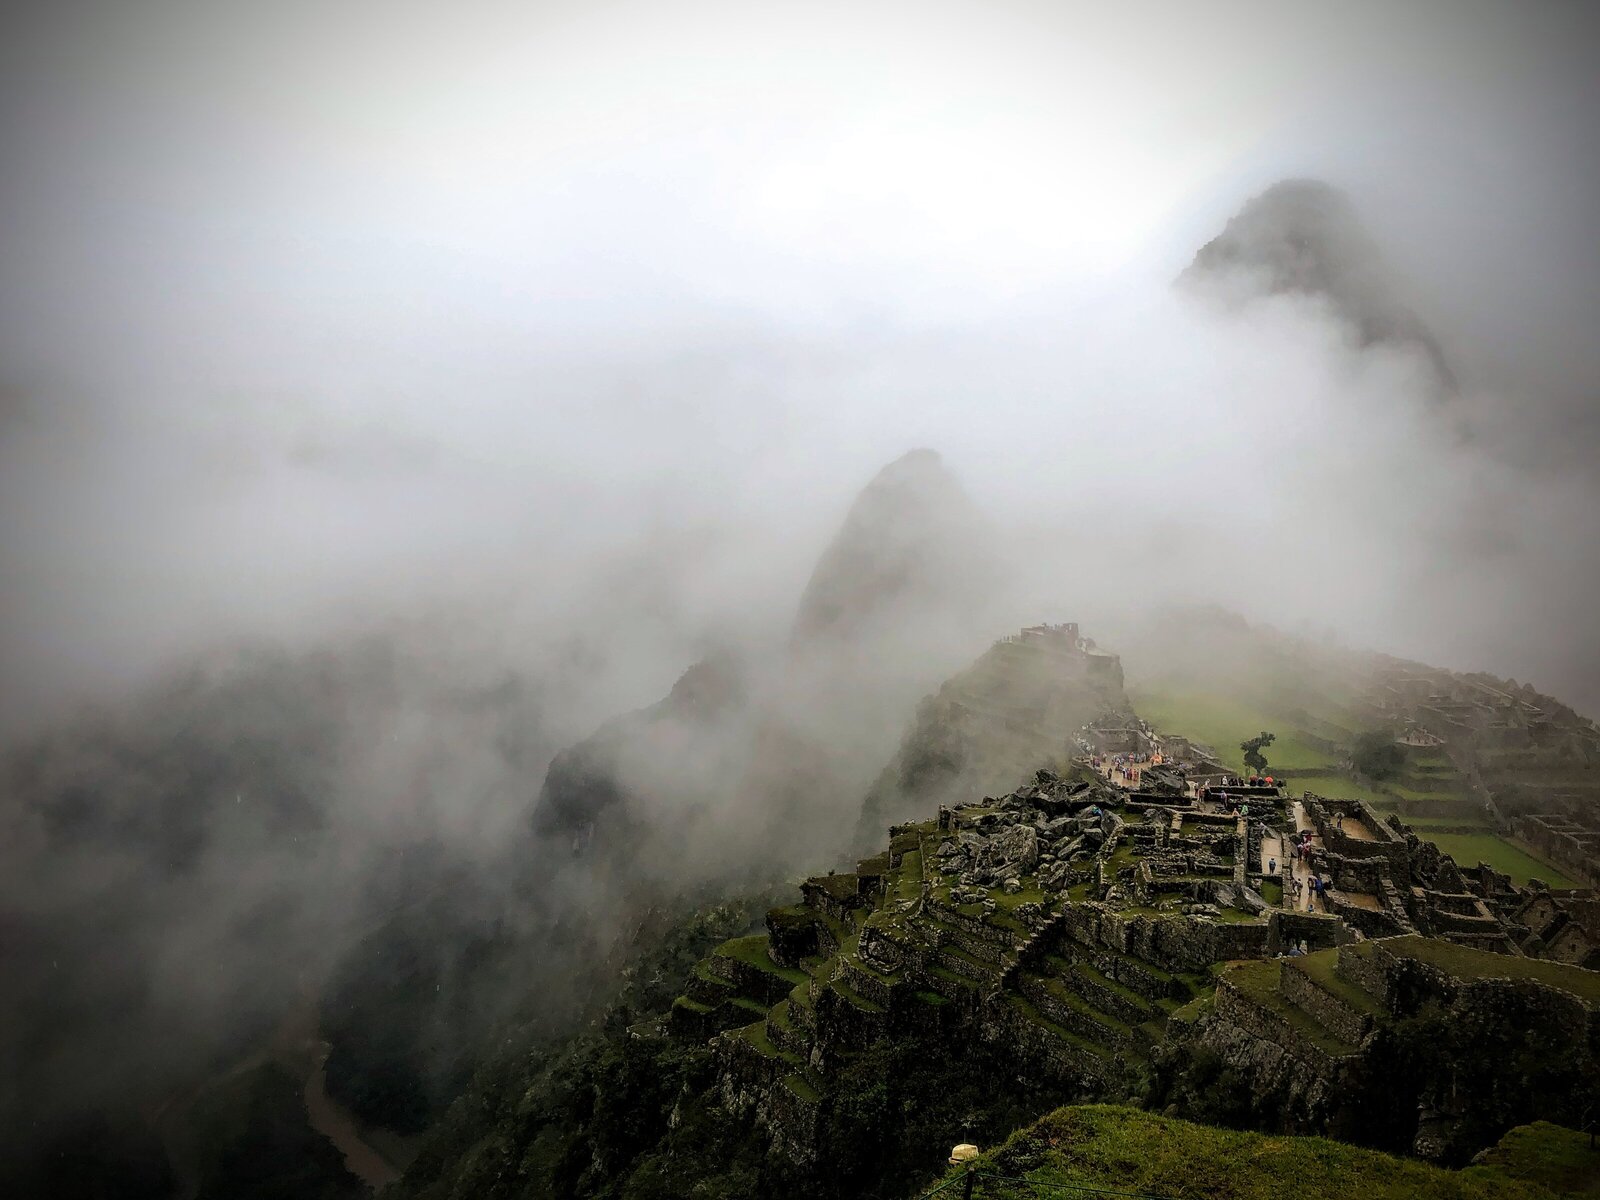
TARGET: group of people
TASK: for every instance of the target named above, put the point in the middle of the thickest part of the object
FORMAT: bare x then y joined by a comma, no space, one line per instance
1128,766
1301,849
1300,846
1313,887
1234,804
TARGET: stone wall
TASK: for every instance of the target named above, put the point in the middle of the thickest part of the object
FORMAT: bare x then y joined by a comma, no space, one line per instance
1373,923
1340,1018
837,895
1385,844
1563,842
1171,942
1318,931
1362,966
1236,1007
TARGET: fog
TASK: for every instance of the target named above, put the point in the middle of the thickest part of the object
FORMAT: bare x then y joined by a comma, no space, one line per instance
549,344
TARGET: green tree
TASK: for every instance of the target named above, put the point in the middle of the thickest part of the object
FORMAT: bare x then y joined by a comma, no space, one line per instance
1253,758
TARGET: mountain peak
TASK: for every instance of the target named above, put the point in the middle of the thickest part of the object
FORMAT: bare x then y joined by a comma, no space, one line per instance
1305,237
907,547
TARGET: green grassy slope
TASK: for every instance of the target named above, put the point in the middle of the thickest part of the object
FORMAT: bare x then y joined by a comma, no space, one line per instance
1138,1152
1469,849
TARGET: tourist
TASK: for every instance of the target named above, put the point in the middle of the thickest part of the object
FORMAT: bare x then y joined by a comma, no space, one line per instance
1304,948
1338,822
1272,866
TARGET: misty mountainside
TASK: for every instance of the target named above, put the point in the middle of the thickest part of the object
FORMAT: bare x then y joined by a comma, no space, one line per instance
899,600
691,741
750,767
815,1035
1304,237
1011,711
910,551
187,864
746,756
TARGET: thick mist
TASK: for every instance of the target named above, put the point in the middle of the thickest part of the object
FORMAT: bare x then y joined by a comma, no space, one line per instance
310,319
391,396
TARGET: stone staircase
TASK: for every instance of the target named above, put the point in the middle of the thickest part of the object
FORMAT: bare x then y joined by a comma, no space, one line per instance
1029,951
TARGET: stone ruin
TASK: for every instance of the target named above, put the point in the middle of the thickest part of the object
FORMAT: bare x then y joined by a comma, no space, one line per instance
1080,927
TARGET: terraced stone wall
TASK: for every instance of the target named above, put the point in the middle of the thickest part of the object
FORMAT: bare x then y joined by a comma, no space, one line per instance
1244,1008
1346,1020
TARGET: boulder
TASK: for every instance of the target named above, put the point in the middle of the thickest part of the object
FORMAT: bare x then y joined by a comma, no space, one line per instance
1016,846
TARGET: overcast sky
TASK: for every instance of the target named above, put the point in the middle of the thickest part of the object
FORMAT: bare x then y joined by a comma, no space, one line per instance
310,312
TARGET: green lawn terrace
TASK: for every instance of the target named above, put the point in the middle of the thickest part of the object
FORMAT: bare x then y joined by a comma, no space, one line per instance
735,986
1321,1034
1220,723
1314,736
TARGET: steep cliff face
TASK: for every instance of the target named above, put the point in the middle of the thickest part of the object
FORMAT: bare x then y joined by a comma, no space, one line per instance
1305,237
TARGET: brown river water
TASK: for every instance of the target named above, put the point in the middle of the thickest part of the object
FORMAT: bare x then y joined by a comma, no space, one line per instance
297,1048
